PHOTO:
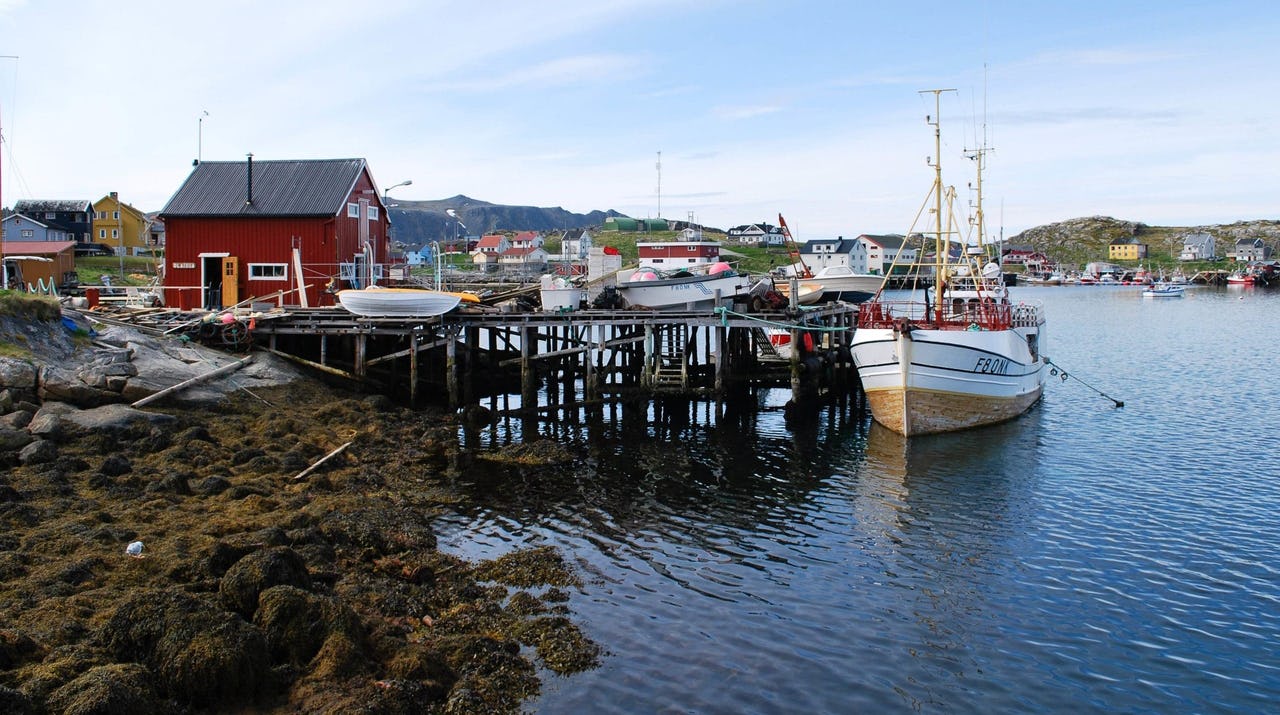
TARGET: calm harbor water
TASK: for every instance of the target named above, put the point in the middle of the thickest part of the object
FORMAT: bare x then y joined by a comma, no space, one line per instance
1082,558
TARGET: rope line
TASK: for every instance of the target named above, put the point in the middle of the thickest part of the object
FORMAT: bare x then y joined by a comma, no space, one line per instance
1057,370
725,313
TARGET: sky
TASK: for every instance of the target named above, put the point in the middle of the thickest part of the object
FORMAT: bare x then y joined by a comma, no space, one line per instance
1159,112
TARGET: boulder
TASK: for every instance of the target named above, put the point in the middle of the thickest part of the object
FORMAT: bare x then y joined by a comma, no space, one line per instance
41,451
250,576
201,655
12,440
113,416
17,419
115,689
17,374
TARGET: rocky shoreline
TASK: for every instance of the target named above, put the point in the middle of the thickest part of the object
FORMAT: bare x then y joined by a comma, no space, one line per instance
250,589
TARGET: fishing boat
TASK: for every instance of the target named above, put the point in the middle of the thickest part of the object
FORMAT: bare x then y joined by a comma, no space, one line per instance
966,355
807,292
380,302
684,289
1163,290
836,282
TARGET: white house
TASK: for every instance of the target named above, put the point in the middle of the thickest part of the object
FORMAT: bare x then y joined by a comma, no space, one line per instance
528,259
1197,247
883,251
575,244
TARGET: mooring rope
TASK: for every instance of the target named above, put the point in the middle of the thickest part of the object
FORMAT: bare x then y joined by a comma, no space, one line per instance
725,313
1057,370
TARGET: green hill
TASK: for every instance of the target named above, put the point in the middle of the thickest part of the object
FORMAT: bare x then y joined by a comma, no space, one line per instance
1077,241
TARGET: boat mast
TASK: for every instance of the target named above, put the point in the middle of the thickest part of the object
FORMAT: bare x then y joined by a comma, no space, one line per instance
939,267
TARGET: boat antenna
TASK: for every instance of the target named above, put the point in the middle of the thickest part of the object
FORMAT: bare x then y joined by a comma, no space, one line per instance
939,270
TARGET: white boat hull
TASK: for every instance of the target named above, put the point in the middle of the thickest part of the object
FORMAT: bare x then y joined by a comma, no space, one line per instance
699,292
378,302
923,381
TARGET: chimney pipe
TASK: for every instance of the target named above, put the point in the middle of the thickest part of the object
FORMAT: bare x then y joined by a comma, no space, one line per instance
249,191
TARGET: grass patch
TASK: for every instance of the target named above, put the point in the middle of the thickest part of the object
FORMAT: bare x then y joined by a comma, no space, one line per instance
18,304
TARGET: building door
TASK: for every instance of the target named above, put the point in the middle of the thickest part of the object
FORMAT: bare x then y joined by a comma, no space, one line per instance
230,281
211,282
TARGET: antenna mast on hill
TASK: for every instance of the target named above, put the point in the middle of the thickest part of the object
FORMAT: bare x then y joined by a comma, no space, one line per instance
659,184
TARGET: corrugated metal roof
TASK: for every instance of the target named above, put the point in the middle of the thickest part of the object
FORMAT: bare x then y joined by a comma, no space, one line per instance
280,188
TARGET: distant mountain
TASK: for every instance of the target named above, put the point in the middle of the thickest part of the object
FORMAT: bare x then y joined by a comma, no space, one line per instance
1080,240
418,222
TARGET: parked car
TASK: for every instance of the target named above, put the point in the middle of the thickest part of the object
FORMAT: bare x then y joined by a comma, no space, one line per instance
93,249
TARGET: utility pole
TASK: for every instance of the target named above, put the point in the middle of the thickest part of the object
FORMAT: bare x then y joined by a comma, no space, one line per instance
659,184
3,57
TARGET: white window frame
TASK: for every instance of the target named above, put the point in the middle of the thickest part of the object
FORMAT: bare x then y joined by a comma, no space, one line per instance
353,210
373,213
115,215
28,233
346,271
276,272
102,233
115,233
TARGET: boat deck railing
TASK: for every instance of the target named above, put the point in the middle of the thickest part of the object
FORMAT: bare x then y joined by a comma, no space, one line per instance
958,314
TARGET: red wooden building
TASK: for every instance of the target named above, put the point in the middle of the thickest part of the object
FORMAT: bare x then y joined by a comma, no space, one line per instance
671,255
277,230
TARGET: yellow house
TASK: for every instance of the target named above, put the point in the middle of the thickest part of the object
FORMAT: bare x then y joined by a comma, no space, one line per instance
1127,251
117,224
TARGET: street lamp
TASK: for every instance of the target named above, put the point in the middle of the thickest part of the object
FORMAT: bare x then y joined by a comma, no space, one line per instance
387,190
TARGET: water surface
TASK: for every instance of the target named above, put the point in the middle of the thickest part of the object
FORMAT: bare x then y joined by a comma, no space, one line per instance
1082,558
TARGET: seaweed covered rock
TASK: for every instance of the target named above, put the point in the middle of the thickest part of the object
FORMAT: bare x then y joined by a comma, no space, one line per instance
259,571
201,654
116,689
296,623
14,702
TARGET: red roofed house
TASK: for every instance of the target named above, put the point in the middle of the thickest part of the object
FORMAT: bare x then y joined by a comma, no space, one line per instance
673,255
527,239
530,260
276,230
489,249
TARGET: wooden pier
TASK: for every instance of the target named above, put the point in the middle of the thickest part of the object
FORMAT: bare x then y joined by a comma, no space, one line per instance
576,356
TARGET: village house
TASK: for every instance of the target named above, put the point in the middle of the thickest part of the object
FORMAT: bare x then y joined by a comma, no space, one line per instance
488,251
1017,255
575,244
674,255
72,217
1198,247
528,259
884,250
17,227
527,239
1249,250
290,231
1126,249
757,234
118,225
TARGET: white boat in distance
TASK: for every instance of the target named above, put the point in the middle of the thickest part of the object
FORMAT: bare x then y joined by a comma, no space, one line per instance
683,289
379,302
1163,290
966,356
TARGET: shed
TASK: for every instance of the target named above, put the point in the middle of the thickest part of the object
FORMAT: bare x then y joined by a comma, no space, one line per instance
238,230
